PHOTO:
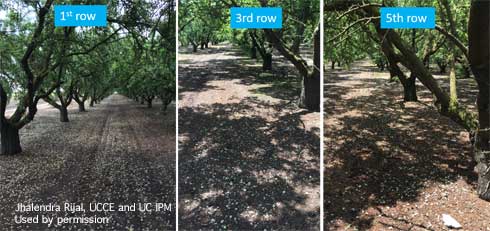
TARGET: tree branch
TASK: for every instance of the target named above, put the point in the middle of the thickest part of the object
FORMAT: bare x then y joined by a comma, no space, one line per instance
454,40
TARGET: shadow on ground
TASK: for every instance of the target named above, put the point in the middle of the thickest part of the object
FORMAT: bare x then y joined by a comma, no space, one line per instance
242,171
380,152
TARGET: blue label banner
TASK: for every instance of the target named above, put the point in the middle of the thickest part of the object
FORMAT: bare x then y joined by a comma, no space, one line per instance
256,18
80,15
408,17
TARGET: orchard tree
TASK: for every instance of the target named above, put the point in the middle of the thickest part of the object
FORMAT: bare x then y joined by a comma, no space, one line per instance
479,58
201,22
413,50
27,63
38,60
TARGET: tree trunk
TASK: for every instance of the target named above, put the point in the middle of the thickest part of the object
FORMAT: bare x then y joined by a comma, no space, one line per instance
310,93
479,53
409,85
392,73
267,62
253,52
10,139
80,102
81,106
453,96
453,93
410,89
64,114
166,102
332,66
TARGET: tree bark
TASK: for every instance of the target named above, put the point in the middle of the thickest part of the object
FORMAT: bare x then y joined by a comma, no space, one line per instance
253,52
81,106
10,139
311,76
267,62
410,89
310,92
80,101
453,95
453,91
408,83
479,57
64,114
263,51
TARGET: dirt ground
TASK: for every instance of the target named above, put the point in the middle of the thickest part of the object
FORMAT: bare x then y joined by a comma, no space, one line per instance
119,152
248,157
392,165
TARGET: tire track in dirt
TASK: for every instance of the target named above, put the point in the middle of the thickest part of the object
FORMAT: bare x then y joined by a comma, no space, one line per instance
125,164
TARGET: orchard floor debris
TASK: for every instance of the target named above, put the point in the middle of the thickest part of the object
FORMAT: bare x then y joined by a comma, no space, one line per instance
248,157
391,165
119,152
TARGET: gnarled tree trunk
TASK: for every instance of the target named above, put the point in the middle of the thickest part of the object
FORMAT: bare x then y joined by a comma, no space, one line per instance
310,92
10,139
10,142
80,101
479,57
81,106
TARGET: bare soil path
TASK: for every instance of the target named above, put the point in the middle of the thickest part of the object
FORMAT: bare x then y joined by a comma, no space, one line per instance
392,165
248,157
119,152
